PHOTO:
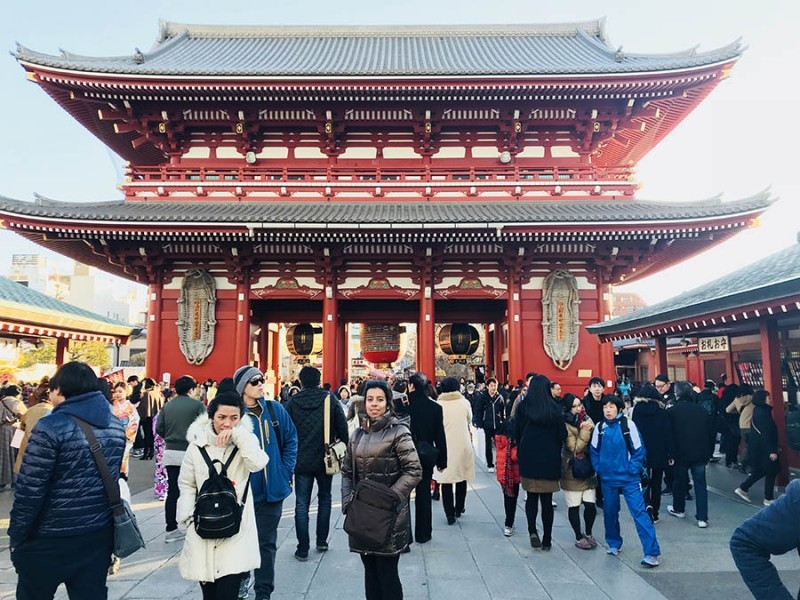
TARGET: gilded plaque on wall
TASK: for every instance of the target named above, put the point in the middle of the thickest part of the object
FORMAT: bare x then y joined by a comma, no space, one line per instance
197,315
560,317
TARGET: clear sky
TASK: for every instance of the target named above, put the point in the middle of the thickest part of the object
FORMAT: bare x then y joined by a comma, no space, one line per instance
739,141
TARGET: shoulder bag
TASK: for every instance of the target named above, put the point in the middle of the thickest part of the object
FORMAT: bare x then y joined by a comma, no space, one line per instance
127,537
334,451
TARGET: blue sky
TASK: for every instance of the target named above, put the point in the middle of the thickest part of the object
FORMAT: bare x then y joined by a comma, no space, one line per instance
741,140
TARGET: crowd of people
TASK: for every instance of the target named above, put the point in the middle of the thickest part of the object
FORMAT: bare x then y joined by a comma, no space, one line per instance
409,435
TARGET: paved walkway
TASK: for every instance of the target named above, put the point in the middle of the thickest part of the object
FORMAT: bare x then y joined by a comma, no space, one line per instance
472,559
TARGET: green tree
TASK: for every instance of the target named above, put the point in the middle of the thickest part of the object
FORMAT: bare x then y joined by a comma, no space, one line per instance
94,353
42,353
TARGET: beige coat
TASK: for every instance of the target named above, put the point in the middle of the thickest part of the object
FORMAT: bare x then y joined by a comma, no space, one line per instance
744,406
208,560
26,423
577,441
457,414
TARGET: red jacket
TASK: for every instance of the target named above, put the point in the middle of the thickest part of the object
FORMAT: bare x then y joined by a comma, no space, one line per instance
510,478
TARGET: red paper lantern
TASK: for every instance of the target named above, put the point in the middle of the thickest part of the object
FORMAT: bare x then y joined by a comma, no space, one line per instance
380,344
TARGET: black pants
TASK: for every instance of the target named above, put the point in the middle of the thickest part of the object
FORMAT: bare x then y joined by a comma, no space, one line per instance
454,508
422,507
173,493
146,424
548,516
381,579
489,435
652,493
224,588
80,562
589,516
758,473
510,506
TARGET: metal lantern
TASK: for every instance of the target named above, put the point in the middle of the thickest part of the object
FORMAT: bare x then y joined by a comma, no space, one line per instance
380,344
459,340
304,339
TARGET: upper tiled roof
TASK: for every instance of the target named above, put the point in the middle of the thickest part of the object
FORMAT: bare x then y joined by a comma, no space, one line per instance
347,215
13,292
771,278
412,51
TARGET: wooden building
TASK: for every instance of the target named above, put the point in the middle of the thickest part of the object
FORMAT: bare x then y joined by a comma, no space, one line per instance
381,175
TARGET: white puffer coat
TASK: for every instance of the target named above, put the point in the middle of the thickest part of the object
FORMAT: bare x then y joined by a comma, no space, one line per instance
208,560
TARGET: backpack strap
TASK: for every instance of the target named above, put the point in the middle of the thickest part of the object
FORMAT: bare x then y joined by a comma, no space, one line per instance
276,426
326,421
626,434
225,465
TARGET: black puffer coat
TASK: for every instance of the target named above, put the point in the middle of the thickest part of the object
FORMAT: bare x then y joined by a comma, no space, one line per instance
307,408
384,453
59,490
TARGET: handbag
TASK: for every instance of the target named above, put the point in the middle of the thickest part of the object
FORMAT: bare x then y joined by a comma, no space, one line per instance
581,465
334,451
372,514
428,454
127,537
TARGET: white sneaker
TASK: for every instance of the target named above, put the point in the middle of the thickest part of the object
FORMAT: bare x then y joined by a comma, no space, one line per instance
508,531
675,513
491,469
742,494
176,535
768,502
702,524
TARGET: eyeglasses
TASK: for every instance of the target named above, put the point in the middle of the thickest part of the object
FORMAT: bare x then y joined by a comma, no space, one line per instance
257,380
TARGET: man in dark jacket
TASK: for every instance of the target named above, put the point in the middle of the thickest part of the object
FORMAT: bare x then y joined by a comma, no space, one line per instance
772,531
491,410
61,522
307,409
172,425
594,400
653,423
691,448
427,430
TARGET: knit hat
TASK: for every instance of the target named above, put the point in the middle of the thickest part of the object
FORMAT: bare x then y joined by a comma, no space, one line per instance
243,375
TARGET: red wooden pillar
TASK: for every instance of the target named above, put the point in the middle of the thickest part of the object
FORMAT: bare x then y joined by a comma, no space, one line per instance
426,344
771,360
660,359
330,332
342,357
607,371
62,344
488,350
242,347
274,361
152,360
499,347
516,370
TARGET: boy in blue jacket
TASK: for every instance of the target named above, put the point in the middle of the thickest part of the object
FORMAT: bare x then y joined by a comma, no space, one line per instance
618,456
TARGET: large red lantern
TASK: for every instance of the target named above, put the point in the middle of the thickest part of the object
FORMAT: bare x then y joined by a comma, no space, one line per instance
304,339
459,341
380,344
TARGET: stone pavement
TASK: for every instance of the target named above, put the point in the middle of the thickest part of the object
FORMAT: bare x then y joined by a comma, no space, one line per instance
472,559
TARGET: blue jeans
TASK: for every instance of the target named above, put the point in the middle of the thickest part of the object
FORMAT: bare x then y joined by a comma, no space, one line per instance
303,485
635,501
268,516
681,485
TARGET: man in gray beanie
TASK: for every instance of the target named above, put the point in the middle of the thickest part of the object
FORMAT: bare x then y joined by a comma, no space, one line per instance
270,486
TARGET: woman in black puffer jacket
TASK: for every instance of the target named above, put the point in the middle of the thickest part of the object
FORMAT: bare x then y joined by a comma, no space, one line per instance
382,451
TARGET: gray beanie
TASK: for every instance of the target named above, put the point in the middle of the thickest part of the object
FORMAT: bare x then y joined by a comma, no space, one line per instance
243,375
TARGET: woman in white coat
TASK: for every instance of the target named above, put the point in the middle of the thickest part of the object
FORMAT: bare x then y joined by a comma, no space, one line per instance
457,413
220,564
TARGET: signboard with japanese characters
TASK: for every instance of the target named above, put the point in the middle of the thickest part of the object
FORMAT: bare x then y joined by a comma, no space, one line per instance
713,344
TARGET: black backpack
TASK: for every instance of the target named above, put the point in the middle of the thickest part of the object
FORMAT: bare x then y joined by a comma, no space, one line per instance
217,510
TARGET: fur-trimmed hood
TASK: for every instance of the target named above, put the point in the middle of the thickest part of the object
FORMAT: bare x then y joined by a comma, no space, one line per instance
201,433
445,396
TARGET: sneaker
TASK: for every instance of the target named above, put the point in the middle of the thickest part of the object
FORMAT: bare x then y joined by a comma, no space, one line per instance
742,494
675,513
651,513
702,524
666,491
301,556
554,503
689,496
113,568
176,535
613,551
322,546
491,469
508,531
591,540
245,585
768,502
650,561
583,544
535,541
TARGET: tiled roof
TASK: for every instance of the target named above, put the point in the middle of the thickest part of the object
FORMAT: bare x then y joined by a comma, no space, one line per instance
348,215
16,293
414,51
771,278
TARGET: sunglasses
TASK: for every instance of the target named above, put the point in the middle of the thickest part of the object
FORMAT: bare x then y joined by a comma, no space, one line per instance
258,380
